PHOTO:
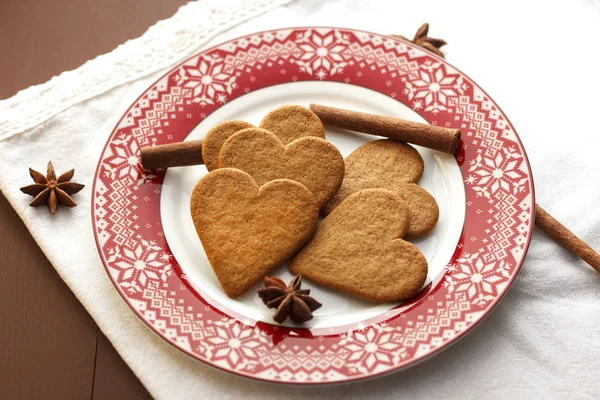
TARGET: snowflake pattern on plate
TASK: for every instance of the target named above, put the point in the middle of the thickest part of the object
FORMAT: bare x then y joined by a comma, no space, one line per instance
133,267
322,52
372,349
498,187
434,85
488,175
234,345
479,279
207,80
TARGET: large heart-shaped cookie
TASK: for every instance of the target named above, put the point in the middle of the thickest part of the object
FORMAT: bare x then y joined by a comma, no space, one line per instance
358,250
312,161
392,165
247,230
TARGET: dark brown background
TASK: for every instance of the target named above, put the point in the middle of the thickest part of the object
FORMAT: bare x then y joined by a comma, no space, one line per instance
50,347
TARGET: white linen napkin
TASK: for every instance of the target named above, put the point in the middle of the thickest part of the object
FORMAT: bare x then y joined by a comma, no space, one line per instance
539,60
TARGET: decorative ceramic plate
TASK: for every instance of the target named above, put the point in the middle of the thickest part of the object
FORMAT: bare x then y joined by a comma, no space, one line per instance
148,244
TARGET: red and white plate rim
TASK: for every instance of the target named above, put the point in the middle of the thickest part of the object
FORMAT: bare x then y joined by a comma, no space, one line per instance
498,224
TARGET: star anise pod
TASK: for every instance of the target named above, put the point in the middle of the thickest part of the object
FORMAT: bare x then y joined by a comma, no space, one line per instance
51,190
428,43
289,300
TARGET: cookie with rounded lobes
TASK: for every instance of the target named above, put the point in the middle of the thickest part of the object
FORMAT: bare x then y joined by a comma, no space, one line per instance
312,161
390,165
378,163
211,145
423,209
292,122
358,249
247,229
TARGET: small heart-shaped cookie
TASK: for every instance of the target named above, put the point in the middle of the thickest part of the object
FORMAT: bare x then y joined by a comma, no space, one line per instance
423,209
292,122
312,161
287,122
358,250
390,165
247,230
211,145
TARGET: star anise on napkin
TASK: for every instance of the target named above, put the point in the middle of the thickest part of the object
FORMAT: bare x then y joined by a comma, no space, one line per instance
50,190
426,42
290,301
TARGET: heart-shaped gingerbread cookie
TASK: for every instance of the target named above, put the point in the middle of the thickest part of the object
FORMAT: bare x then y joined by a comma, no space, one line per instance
312,161
395,166
247,229
422,207
287,122
292,122
358,249
211,145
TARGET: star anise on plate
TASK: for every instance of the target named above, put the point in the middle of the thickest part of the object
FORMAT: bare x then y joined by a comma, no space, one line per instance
289,300
51,190
426,42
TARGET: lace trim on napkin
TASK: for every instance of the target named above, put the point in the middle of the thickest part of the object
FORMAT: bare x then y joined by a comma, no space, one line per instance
162,45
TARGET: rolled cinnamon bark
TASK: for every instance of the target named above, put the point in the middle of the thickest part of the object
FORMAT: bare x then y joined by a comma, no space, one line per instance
564,237
172,155
431,136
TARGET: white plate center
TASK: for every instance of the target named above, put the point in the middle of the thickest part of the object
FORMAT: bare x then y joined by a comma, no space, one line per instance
442,178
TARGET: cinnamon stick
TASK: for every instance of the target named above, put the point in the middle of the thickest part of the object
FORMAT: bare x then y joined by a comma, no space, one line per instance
172,155
433,137
564,237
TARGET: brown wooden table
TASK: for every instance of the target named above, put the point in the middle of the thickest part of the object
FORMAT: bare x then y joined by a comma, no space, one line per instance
50,348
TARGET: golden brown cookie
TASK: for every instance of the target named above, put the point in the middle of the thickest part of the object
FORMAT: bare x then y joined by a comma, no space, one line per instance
247,229
211,145
358,250
423,209
312,161
292,122
389,165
